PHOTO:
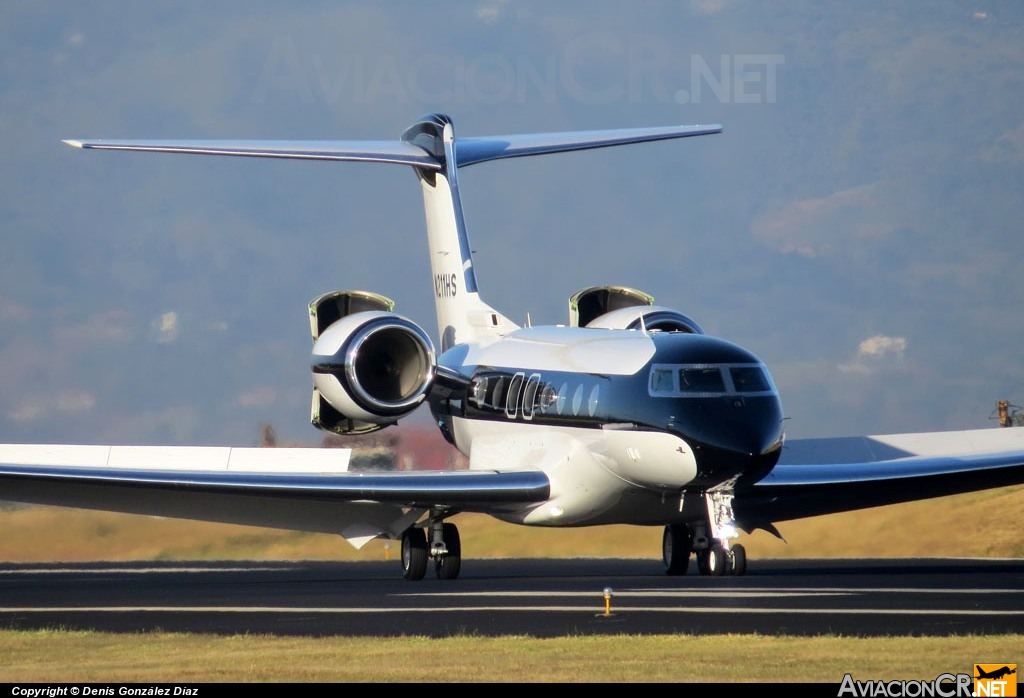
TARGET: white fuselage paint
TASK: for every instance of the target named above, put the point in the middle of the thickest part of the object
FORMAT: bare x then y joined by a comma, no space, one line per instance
574,349
597,474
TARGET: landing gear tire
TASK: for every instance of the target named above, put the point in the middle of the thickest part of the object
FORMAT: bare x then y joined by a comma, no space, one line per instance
702,562
447,566
738,560
414,554
717,560
676,547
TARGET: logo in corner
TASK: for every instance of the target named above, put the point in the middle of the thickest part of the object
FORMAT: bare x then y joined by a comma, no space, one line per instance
995,680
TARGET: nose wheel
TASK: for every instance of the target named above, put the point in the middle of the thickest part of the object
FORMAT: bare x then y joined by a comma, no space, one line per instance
714,558
738,560
717,561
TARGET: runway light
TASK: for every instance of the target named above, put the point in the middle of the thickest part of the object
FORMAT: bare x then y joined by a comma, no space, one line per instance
607,601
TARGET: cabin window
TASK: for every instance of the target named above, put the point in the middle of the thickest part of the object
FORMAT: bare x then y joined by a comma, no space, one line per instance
546,397
577,400
560,399
497,392
478,392
592,400
515,386
530,395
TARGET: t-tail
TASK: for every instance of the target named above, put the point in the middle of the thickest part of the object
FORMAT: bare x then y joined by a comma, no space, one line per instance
431,148
461,315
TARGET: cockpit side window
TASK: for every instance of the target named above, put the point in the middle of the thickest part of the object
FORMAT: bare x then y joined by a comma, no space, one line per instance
662,380
749,379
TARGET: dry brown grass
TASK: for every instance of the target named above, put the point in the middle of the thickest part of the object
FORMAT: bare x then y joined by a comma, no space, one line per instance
28,657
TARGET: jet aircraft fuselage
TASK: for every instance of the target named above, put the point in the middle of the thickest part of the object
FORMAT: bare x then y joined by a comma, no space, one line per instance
714,400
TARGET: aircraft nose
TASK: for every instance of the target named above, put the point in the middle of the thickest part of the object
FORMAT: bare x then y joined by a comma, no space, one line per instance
736,435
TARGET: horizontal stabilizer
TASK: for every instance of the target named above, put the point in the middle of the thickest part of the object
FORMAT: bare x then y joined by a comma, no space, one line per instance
402,152
397,152
472,150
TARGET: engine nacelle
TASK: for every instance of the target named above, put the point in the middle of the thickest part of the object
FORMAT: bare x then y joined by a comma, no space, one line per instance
369,369
623,308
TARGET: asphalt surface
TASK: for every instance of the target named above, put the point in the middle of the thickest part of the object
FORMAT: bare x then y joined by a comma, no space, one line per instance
536,597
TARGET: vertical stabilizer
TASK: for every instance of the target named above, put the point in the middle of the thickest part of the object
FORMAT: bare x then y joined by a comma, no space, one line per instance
461,315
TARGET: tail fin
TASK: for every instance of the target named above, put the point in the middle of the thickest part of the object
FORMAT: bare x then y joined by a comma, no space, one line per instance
461,314
429,146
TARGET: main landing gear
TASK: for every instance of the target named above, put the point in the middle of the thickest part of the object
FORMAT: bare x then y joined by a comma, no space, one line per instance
445,549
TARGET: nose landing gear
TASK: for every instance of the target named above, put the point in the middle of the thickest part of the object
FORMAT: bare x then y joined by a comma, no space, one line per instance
716,556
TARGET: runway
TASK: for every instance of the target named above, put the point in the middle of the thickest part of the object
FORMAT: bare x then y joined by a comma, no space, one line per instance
535,597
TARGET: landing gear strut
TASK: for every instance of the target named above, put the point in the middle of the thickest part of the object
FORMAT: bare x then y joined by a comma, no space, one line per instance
445,548
709,541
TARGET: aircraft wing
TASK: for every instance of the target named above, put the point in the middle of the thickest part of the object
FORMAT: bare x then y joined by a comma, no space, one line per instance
831,475
293,488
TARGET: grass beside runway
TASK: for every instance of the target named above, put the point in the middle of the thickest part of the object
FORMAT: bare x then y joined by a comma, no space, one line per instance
78,657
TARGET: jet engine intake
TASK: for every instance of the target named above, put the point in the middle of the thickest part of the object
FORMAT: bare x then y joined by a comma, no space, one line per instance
369,369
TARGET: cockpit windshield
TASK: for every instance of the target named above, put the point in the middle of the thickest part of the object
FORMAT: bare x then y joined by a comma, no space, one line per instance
707,380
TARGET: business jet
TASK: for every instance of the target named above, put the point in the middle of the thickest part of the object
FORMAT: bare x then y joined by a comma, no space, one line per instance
627,414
